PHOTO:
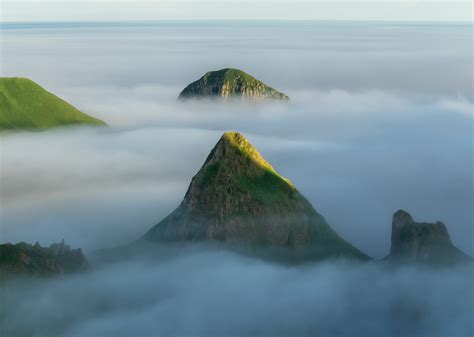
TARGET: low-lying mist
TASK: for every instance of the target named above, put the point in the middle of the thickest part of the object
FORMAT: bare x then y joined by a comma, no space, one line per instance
204,292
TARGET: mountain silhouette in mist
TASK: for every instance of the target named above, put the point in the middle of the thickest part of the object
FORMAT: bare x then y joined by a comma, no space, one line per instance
422,242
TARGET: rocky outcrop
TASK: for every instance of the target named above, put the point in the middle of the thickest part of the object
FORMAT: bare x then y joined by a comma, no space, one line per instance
420,242
238,198
23,259
231,83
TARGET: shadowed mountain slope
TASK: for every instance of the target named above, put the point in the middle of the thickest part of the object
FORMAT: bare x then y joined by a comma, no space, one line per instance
422,242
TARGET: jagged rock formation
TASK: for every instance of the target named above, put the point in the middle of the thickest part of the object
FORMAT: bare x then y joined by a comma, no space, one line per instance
25,105
238,198
231,83
24,259
420,242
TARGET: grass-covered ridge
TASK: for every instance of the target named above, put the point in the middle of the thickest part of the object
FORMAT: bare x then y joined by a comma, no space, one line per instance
242,145
266,186
230,75
25,105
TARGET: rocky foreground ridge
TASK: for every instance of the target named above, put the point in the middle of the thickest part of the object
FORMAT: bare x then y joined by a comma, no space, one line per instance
231,83
33,260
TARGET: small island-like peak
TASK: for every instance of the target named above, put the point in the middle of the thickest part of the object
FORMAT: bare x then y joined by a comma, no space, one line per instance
231,83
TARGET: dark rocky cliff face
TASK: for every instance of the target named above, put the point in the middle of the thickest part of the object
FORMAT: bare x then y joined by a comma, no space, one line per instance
231,83
23,259
421,242
237,197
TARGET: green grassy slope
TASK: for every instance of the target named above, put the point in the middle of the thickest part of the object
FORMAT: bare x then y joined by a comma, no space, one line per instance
25,105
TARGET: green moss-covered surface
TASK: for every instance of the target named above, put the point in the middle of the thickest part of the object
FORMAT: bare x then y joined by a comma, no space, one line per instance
266,188
24,105
231,83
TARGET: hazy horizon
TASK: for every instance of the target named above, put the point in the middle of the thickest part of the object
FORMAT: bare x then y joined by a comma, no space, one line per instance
385,10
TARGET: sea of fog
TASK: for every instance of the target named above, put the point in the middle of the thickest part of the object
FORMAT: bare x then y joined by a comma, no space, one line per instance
380,118
202,292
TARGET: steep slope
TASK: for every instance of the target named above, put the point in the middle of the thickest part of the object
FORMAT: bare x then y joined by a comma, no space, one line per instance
421,242
228,83
23,259
238,198
26,105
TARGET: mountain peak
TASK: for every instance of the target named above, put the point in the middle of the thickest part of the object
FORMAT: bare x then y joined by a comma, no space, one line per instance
238,197
229,74
234,162
234,146
229,82
401,217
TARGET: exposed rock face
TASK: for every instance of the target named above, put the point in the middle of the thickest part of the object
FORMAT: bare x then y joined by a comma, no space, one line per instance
23,259
237,197
228,83
421,242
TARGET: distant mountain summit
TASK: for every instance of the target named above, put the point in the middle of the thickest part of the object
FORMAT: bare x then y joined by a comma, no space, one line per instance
24,259
421,242
238,198
25,105
231,83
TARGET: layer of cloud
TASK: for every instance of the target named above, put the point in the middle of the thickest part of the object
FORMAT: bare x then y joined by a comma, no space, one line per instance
201,292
